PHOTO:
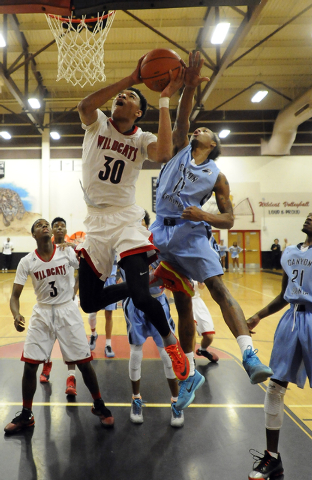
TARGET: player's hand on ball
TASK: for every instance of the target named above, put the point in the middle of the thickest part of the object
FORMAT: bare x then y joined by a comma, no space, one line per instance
19,323
174,84
135,75
252,322
192,72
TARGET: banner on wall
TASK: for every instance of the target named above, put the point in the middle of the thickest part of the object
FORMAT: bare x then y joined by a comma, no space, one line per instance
286,204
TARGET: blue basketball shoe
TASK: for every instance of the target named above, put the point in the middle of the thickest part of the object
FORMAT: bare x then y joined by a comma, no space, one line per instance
257,372
187,390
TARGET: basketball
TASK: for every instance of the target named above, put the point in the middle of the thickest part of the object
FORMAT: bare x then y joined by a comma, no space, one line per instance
155,68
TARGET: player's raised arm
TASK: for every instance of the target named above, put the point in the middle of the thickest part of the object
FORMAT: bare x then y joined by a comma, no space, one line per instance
87,108
162,150
19,320
192,80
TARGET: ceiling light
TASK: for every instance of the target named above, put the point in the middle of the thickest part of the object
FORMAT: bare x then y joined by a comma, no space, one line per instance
259,96
34,103
55,135
224,133
2,41
5,135
219,33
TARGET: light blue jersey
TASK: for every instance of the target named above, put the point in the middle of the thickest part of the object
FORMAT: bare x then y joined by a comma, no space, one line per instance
182,184
291,359
297,264
188,246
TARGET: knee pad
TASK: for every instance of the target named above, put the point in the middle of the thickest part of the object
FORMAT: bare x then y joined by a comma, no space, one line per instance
167,363
92,319
136,355
274,406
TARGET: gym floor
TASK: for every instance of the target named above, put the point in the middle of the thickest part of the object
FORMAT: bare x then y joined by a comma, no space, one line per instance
224,422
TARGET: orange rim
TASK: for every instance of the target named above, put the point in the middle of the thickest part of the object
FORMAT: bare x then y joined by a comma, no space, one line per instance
77,20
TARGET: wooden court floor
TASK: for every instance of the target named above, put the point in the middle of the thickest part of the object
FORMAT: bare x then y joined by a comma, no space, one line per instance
225,421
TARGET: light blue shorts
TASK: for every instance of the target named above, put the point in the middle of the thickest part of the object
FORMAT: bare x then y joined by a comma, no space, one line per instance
189,247
291,358
138,328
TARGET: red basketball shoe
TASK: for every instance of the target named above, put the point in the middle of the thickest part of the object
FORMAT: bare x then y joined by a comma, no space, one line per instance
23,420
180,363
173,280
71,386
45,374
105,415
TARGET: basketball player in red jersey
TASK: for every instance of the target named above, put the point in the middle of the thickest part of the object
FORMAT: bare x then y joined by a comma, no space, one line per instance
114,150
55,316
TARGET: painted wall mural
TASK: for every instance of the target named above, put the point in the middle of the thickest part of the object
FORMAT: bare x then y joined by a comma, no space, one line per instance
16,217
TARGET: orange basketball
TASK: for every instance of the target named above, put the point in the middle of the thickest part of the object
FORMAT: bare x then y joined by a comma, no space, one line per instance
155,68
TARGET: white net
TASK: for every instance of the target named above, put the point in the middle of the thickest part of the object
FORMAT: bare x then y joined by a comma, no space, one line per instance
80,46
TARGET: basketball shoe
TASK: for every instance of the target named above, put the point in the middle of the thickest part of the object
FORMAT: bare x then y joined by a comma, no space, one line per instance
180,363
187,390
45,374
268,466
257,372
173,280
92,341
136,412
109,352
71,385
210,355
177,416
23,420
106,417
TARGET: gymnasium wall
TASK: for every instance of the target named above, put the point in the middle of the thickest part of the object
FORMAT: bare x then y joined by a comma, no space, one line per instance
259,185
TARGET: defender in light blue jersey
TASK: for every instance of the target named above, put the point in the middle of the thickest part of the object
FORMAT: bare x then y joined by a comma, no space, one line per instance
291,358
182,230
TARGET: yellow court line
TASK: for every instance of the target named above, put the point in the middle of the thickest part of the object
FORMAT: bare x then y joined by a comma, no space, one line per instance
299,406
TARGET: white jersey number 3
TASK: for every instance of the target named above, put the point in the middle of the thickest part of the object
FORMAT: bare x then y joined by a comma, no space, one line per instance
54,289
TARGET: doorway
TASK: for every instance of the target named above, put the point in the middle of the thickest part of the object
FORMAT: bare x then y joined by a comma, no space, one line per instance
250,242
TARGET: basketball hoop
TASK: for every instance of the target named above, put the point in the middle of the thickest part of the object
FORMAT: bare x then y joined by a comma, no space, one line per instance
80,44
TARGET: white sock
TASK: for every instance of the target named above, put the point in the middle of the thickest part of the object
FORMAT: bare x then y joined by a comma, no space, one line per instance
274,455
108,342
71,373
244,341
93,333
190,357
174,399
137,395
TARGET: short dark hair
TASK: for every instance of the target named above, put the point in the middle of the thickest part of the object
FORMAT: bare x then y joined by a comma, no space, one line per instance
58,219
147,219
33,225
143,102
216,151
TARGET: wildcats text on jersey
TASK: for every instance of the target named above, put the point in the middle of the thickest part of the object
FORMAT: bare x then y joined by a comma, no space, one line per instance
106,143
59,270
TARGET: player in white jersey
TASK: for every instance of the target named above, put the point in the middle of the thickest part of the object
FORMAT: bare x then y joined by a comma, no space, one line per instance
55,316
59,232
291,358
114,150
182,231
